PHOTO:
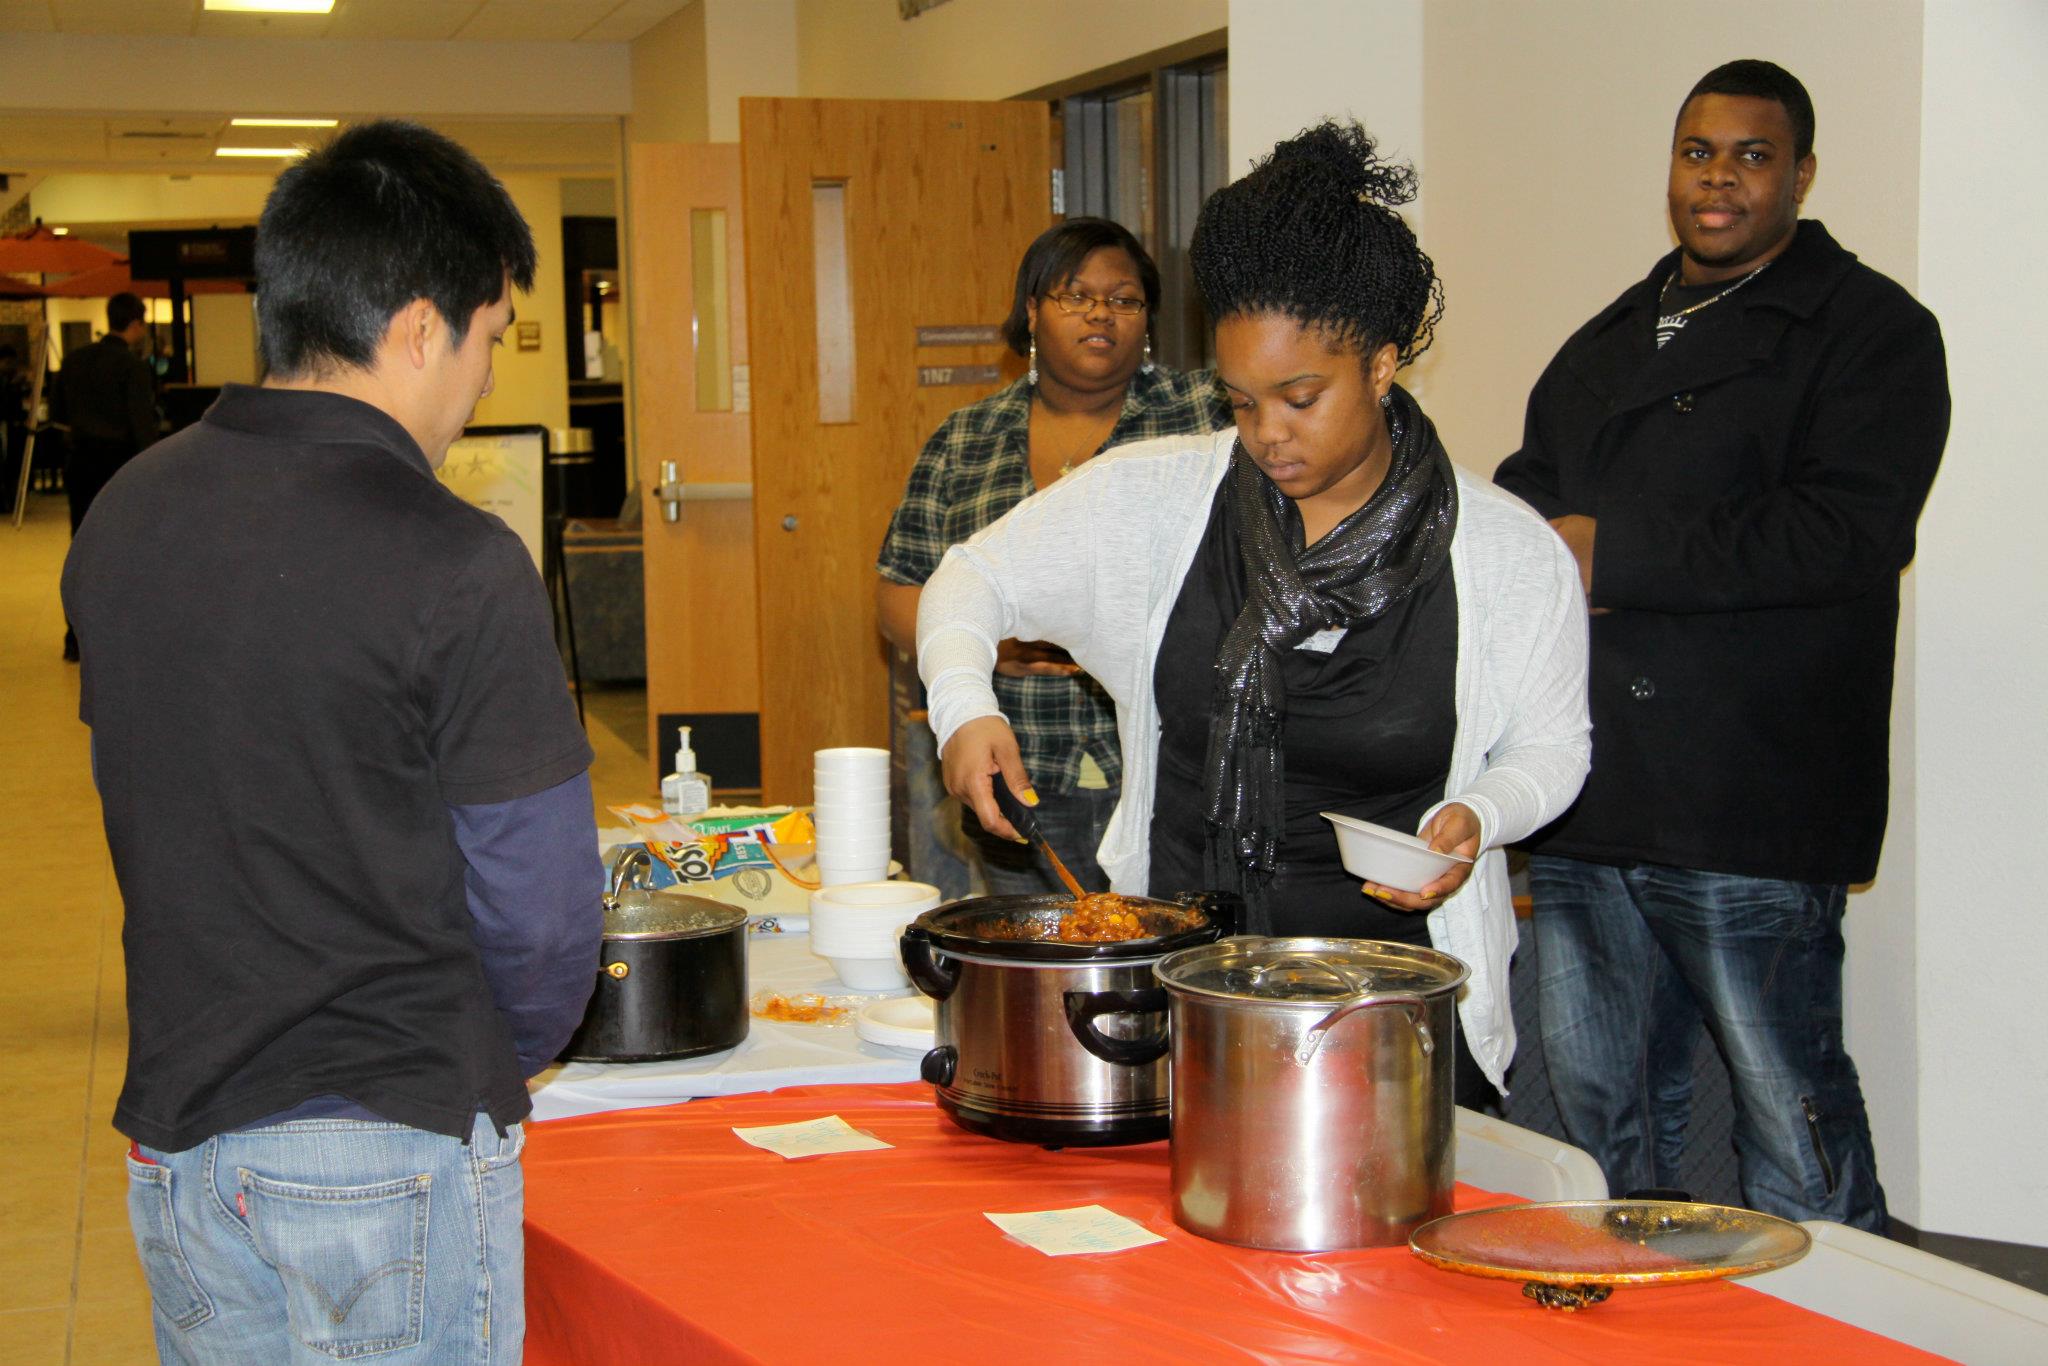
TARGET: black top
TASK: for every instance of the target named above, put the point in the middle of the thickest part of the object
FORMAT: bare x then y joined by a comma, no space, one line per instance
1756,485
1368,733
107,392
298,650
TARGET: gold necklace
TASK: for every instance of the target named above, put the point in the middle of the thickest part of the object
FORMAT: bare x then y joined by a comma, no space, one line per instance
1081,455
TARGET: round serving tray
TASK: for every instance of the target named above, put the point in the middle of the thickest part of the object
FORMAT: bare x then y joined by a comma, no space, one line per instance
1570,1253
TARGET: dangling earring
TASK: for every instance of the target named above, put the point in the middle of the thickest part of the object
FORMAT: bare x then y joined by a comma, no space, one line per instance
1032,373
1147,367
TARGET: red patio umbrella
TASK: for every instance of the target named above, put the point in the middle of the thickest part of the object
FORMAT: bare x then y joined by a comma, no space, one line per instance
42,252
112,278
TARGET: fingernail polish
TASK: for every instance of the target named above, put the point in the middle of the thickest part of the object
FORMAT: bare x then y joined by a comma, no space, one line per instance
1030,796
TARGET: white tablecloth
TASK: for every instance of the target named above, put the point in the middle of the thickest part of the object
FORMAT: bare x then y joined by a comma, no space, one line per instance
772,1055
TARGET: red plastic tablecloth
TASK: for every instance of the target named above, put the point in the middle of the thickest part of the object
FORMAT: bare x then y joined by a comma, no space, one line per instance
657,1236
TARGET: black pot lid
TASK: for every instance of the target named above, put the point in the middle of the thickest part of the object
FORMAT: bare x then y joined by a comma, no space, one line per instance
642,915
1321,972
1012,926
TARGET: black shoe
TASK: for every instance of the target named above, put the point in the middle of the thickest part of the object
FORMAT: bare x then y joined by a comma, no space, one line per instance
70,648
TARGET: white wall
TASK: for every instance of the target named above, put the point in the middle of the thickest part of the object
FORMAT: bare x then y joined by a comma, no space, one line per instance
667,71
61,72
982,49
751,48
1296,62
1983,602
121,197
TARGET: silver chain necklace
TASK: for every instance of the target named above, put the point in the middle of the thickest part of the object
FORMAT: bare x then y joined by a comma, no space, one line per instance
1669,324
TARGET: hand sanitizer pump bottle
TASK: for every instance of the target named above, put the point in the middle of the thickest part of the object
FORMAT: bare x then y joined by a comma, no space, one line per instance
686,792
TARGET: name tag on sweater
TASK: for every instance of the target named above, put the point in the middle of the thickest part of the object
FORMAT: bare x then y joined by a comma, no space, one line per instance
1324,642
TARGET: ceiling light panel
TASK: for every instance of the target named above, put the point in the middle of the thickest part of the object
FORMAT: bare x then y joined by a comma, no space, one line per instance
270,6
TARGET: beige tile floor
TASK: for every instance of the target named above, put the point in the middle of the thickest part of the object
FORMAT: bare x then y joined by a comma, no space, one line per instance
71,1293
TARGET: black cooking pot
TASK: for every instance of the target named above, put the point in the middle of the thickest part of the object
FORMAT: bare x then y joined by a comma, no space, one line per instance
1046,1042
672,976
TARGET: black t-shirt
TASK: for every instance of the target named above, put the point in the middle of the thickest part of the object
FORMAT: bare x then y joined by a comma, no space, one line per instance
1368,733
299,649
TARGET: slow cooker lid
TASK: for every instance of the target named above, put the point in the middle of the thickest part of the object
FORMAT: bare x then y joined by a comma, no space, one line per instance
1022,927
1312,971
667,915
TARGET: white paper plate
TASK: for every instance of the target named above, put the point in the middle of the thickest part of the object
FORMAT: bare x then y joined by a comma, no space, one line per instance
899,1022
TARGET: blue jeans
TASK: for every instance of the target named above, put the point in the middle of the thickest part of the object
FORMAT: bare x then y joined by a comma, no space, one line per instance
318,1240
1072,823
940,852
1631,958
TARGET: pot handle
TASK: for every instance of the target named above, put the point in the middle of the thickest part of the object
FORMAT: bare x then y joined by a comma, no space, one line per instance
935,976
1084,1006
1412,1005
1224,909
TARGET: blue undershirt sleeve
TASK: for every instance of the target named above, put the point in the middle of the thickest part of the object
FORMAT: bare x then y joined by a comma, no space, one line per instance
535,886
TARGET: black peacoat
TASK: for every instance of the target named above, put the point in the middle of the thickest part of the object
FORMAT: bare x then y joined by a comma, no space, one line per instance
1756,485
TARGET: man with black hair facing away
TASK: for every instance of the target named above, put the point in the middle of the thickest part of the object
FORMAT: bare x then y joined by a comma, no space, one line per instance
1736,451
346,794
106,394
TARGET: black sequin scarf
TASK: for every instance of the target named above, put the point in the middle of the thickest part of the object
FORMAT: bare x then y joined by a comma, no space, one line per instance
1365,565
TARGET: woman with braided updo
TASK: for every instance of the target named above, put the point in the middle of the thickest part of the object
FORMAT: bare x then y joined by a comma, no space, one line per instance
1314,611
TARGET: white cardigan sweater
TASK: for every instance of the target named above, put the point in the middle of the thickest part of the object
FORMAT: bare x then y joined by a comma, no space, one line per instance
1095,563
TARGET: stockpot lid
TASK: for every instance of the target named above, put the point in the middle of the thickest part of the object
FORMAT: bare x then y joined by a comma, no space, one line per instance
644,915
1309,972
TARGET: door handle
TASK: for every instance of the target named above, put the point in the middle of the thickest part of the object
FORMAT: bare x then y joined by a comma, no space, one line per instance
673,492
670,493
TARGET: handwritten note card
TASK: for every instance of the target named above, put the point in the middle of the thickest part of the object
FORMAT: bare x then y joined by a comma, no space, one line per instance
1064,1232
811,1138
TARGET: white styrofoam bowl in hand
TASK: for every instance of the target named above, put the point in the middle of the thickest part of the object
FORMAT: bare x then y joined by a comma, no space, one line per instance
1388,857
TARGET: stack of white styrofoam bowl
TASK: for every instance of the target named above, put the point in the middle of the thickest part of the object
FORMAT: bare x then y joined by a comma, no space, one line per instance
856,927
851,791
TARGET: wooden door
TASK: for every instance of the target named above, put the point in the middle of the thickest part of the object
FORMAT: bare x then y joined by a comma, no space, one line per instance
865,221
685,287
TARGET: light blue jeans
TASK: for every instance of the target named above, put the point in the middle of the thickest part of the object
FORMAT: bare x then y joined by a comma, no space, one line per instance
323,1240
1632,958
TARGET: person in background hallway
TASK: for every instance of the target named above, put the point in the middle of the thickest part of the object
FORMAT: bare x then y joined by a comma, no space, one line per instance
106,394
346,795
1082,310
1736,450
1315,611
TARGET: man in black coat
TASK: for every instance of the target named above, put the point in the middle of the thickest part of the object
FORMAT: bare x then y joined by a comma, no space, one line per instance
106,394
1736,450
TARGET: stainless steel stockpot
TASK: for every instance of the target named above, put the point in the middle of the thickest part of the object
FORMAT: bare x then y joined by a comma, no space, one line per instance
1311,1097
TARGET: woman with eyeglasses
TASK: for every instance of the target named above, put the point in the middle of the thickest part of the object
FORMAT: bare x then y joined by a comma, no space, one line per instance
1313,612
1082,313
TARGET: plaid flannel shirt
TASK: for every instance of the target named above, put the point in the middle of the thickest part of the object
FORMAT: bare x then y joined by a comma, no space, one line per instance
975,468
